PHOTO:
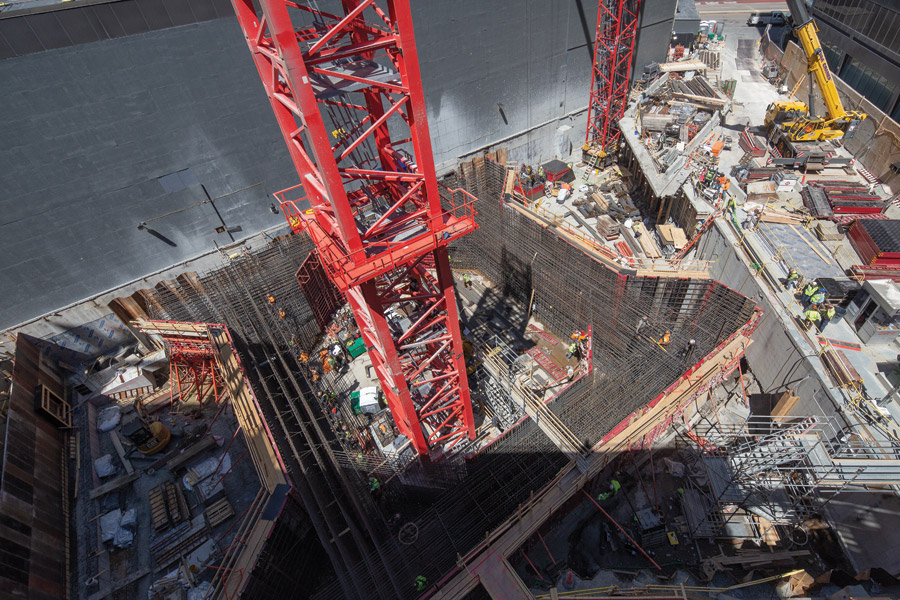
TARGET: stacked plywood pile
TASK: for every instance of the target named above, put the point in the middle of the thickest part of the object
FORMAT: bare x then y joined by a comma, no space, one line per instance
672,236
607,227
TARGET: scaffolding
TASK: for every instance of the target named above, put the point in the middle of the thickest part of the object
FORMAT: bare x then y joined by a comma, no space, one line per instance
761,476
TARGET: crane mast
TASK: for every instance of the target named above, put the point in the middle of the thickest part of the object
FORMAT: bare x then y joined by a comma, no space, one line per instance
347,95
614,42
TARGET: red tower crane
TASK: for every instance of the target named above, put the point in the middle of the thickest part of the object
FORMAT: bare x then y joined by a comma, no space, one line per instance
617,22
347,95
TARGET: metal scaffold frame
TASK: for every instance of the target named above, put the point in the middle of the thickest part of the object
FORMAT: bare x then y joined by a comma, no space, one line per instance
784,472
192,363
614,42
369,196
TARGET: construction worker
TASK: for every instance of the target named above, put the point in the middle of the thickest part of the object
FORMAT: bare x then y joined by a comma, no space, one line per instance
541,175
827,316
579,336
818,296
570,373
374,484
421,583
811,316
808,291
614,487
271,299
572,350
688,349
467,281
640,325
636,228
666,338
731,204
793,277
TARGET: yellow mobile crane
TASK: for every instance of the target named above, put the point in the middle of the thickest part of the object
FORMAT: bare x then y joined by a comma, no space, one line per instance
795,120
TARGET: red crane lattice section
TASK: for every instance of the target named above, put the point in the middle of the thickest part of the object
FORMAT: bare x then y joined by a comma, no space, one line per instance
617,22
347,95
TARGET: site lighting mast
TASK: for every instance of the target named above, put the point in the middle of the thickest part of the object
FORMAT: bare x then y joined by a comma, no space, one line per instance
347,95
617,22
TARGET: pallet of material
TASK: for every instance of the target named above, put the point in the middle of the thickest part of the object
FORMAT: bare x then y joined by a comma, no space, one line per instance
828,231
219,511
607,227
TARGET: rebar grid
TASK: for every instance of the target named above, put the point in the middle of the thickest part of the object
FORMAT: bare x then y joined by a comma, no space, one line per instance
569,291
428,514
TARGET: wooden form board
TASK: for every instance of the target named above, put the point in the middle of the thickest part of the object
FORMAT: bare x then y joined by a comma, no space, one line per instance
672,235
259,440
683,65
784,406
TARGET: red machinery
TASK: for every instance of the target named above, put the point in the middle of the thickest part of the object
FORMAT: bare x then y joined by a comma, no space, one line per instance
192,362
617,22
347,95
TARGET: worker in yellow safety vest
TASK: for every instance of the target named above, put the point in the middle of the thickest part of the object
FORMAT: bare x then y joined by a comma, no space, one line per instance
811,315
827,317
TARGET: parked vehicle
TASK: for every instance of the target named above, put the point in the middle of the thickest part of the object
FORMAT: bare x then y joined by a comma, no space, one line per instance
772,17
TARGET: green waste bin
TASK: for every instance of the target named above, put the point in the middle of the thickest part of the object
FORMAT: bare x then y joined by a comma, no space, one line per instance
357,347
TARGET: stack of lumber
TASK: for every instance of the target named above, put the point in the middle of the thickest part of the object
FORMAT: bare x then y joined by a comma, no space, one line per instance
672,236
697,90
771,215
710,58
179,542
682,65
601,201
656,121
647,243
607,227
167,506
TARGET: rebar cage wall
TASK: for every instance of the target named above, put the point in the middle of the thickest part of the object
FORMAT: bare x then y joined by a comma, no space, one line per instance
571,290
452,506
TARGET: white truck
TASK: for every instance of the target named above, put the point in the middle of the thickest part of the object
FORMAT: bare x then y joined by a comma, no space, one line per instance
772,17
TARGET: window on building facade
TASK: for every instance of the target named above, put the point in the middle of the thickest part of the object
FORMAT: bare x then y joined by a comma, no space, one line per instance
875,88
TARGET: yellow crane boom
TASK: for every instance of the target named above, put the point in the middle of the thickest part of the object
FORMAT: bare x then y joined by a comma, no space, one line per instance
796,119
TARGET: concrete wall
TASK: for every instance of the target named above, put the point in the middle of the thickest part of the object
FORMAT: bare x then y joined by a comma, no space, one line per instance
91,125
779,357
877,141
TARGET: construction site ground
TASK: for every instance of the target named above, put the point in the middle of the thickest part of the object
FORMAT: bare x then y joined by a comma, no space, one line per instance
128,572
